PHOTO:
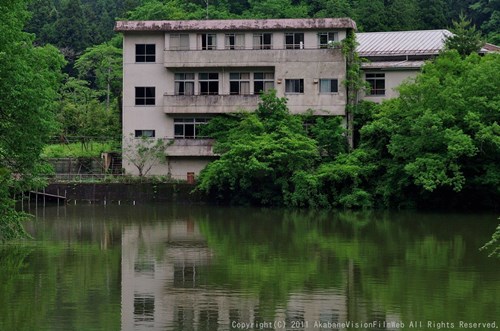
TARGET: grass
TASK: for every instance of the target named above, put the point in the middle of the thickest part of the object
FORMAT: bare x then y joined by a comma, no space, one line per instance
90,149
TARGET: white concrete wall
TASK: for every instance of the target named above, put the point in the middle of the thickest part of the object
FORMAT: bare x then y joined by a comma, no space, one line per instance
310,64
392,80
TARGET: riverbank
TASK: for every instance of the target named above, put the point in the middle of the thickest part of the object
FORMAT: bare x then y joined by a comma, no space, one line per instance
120,193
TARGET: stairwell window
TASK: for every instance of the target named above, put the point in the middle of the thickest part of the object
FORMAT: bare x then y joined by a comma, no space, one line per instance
239,83
184,84
262,41
145,96
328,86
209,83
234,41
145,53
188,128
294,86
294,40
376,82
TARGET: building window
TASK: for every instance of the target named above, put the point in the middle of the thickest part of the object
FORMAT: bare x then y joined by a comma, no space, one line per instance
235,41
263,82
179,42
184,84
294,86
294,40
209,83
328,86
377,83
262,41
144,309
208,41
145,96
239,83
326,38
188,128
145,53
144,133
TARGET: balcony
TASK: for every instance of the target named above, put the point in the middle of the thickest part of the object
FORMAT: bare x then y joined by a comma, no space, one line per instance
209,104
189,147
247,57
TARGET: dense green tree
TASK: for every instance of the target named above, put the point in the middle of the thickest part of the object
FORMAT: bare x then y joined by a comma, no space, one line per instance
260,156
276,9
167,10
72,29
330,8
102,65
29,80
465,39
82,114
432,14
439,141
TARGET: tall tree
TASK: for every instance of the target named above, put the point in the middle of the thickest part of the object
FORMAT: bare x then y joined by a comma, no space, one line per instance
465,39
29,80
432,14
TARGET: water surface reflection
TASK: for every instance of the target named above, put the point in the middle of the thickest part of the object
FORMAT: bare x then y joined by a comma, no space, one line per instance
206,268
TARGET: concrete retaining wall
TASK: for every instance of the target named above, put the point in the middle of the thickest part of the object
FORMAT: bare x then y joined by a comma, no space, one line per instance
137,193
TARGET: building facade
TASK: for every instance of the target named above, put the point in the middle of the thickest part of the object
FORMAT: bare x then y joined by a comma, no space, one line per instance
394,57
179,74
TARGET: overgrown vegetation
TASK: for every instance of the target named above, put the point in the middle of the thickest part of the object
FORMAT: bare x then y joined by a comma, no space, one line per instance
437,145
89,149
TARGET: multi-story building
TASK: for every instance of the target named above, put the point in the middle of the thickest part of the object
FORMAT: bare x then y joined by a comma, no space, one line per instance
178,74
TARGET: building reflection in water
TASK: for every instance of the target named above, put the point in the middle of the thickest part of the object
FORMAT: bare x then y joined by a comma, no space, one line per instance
164,272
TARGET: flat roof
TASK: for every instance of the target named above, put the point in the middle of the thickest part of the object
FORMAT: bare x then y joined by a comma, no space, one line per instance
237,25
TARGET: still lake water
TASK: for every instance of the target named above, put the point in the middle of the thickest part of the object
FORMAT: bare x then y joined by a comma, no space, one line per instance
175,267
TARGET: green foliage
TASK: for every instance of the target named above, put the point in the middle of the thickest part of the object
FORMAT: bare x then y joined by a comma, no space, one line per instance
82,113
144,153
261,155
493,246
167,10
91,149
29,81
466,40
439,139
102,64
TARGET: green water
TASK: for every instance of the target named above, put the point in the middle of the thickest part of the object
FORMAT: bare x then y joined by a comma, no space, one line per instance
212,268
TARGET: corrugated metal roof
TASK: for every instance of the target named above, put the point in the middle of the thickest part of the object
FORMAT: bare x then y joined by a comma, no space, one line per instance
235,25
425,42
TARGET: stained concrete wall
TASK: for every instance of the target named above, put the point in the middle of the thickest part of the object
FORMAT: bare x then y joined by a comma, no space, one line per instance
114,193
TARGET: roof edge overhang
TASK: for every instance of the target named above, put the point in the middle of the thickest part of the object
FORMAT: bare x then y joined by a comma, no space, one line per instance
236,25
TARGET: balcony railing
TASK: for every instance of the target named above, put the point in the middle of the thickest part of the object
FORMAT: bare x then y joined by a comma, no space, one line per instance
209,104
189,147
246,57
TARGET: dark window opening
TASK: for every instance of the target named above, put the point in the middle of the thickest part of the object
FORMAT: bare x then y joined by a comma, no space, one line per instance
145,53
376,82
145,96
294,40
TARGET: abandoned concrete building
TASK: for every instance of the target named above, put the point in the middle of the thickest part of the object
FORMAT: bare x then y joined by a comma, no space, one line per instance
179,74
